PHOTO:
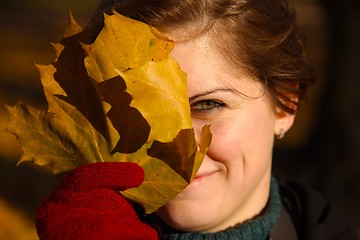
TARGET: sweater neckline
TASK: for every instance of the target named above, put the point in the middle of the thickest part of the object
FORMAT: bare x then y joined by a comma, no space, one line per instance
255,229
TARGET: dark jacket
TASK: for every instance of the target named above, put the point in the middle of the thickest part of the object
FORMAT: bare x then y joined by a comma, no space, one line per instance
312,218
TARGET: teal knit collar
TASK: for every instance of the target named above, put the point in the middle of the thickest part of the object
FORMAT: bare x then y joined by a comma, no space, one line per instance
256,229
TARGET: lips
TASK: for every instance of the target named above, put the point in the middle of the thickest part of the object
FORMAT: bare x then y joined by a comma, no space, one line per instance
204,174
201,178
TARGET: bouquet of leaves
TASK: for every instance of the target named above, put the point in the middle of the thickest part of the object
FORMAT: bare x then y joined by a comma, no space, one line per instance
121,98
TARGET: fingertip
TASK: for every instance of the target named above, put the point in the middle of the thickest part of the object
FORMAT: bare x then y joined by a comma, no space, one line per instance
131,171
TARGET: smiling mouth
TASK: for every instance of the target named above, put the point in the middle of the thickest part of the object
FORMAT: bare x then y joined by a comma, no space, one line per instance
206,173
201,178
202,175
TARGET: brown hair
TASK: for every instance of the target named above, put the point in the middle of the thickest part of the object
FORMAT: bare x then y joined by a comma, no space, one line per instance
260,35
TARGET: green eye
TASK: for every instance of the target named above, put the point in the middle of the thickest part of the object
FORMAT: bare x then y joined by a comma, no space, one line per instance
206,105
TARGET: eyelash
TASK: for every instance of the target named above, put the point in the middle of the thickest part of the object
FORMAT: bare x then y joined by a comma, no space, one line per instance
206,106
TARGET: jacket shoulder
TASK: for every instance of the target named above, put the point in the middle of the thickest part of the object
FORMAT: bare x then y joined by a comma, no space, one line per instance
313,217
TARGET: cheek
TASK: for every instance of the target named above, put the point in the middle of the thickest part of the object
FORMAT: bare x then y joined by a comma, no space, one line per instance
223,140
249,139
227,141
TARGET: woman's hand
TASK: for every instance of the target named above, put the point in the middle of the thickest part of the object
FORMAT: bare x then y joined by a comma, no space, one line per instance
87,205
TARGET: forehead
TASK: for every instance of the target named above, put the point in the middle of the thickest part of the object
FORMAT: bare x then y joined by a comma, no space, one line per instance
206,68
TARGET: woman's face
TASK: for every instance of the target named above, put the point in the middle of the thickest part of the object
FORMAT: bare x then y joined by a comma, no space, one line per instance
232,184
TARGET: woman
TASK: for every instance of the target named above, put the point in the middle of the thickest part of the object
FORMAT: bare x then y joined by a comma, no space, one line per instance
247,74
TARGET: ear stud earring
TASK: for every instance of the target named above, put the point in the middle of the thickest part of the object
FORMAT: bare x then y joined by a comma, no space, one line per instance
281,134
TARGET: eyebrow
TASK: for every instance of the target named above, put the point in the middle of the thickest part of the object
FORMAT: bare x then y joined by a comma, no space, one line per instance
231,90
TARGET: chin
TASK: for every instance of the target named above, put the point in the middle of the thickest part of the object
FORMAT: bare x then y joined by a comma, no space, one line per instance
187,219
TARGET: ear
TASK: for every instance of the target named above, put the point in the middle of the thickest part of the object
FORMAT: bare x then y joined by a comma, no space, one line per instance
283,123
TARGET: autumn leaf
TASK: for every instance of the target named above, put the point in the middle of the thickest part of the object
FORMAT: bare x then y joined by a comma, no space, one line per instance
132,127
62,138
121,98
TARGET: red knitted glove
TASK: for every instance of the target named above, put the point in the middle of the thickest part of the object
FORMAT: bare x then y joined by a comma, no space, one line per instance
87,205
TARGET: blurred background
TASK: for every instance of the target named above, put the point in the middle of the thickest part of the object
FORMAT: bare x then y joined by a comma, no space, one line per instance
322,149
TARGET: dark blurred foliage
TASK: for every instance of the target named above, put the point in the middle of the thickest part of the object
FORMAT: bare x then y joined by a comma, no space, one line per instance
322,149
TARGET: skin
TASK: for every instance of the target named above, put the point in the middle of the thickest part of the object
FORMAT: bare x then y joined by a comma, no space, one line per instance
233,182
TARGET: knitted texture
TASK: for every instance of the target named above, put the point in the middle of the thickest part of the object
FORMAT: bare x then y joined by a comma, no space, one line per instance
256,229
87,205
